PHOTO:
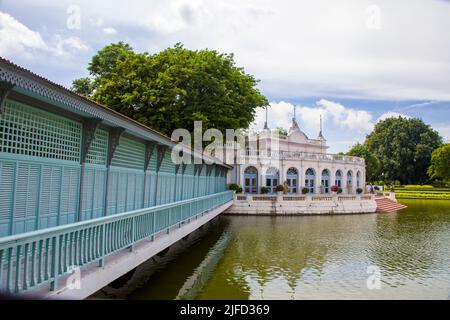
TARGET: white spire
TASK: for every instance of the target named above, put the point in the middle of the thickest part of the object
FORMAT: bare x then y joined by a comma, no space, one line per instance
265,123
320,137
294,125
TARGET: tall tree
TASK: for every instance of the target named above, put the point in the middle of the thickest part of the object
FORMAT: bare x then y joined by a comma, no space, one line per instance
173,88
403,147
372,163
440,163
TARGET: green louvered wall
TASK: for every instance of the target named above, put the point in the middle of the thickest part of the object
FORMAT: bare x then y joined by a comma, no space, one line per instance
126,177
40,173
39,169
94,178
165,191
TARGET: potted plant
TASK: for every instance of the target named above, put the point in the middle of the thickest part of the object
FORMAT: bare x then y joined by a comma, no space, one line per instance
339,190
334,189
264,190
305,190
280,189
359,190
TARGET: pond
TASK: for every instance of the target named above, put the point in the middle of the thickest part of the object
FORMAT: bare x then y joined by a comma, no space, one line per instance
400,255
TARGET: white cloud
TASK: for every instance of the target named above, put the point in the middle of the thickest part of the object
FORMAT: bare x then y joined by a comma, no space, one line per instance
345,117
109,30
298,48
444,131
391,114
16,38
280,115
65,47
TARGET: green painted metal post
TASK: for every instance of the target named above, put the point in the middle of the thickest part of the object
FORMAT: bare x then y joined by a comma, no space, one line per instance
153,226
18,265
55,263
101,262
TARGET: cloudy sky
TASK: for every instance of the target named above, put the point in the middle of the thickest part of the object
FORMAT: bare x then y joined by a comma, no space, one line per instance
351,61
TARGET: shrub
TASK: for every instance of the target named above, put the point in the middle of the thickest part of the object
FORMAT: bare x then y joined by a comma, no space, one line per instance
280,187
359,190
264,190
305,190
334,188
234,187
376,188
339,190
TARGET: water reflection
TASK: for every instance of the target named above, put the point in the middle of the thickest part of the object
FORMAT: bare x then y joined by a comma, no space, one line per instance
327,257
311,257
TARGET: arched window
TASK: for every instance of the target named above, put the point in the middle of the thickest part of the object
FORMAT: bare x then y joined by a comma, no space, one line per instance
325,186
349,181
338,180
251,180
272,178
310,177
292,180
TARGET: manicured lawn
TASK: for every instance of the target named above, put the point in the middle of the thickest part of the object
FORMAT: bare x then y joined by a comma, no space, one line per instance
417,192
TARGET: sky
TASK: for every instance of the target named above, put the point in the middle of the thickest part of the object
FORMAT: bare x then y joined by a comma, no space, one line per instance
352,61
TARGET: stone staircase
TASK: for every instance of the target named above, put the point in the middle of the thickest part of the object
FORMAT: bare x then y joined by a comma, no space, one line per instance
386,205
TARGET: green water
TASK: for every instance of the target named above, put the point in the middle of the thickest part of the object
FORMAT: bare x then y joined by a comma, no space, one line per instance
324,257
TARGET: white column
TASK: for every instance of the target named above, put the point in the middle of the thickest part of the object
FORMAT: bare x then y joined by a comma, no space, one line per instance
318,180
332,176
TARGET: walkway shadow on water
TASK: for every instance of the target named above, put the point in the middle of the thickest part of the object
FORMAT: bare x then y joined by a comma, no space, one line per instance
178,272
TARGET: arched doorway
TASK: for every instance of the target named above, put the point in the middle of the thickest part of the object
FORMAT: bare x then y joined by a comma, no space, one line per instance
325,187
338,180
292,179
349,181
310,177
358,179
251,180
272,178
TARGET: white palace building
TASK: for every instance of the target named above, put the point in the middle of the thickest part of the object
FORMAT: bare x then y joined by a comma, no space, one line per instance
269,160
296,162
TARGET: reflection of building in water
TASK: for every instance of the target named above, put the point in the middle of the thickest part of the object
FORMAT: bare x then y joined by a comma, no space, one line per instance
269,159
292,257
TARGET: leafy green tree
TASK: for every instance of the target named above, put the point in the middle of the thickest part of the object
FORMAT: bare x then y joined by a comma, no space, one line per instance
440,163
83,86
173,88
372,163
281,131
403,146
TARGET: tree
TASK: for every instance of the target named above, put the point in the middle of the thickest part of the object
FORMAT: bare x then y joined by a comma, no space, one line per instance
372,163
173,88
83,86
281,131
403,146
440,163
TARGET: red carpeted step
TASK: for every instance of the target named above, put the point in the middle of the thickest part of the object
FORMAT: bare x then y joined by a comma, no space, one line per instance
387,205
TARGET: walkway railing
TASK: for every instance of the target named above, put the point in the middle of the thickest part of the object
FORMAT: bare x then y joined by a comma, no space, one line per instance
32,259
307,198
